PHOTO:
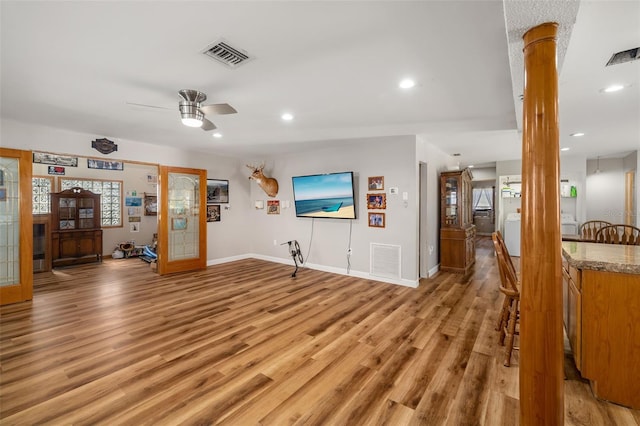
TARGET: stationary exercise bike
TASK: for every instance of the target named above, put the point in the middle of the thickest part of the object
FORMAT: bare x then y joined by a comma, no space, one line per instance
296,254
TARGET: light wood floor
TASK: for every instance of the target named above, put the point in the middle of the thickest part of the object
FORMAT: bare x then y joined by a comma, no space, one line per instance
243,343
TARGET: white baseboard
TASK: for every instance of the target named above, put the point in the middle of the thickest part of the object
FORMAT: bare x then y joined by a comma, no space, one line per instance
433,270
332,269
228,259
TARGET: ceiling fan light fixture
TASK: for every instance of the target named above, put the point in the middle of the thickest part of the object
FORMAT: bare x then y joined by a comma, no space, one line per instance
190,114
191,122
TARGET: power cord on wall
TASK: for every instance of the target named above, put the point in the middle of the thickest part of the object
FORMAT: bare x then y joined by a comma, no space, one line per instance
310,240
349,248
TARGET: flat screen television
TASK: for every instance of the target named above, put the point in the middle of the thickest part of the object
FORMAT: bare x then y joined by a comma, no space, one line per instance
329,195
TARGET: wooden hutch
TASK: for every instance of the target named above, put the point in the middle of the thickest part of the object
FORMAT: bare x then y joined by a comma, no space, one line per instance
76,235
457,231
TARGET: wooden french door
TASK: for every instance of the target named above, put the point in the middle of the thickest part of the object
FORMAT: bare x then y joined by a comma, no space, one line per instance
182,224
629,198
16,226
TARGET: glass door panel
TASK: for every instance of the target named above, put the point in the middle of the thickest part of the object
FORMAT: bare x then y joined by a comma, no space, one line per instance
184,205
16,221
182,220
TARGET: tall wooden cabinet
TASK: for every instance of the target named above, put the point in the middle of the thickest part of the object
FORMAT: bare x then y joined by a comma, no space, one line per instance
457,231
76,235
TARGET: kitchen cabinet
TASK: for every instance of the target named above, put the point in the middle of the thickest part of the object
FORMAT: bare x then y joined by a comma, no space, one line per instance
601,285
572,304
76,235
457,231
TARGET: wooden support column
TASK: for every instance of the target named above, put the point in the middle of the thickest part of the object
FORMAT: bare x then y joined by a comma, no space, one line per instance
541,338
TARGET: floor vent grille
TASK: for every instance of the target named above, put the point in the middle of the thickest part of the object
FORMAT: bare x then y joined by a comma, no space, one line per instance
385,260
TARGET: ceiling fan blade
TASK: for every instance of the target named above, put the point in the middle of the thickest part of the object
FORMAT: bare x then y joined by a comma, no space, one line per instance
146,106
207,125
218,109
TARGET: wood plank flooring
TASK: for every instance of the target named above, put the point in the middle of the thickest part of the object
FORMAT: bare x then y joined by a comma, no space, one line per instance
244,344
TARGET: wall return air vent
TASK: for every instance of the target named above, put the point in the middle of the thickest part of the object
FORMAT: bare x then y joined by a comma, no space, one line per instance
624,56
224,53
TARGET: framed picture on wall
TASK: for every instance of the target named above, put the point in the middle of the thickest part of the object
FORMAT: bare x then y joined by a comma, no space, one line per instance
376,220
273,206
217,191
104,165
213,213
150,204
375,183
377,201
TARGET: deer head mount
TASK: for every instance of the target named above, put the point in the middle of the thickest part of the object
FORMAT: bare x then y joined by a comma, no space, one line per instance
268,185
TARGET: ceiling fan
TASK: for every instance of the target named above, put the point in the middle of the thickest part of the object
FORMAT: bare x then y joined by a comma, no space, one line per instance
192,112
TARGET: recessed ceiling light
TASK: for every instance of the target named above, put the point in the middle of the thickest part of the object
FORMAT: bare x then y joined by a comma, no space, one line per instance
565,149
407,83
287,116
217,135
577,135
613,88
471,166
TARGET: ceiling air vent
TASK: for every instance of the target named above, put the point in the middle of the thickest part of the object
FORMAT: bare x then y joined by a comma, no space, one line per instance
224,53
625,56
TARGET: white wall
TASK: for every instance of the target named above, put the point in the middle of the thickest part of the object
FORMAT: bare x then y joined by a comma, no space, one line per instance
228,238
605,190
391,157
437,161
245,231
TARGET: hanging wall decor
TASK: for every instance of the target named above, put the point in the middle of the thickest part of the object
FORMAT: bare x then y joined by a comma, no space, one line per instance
104,146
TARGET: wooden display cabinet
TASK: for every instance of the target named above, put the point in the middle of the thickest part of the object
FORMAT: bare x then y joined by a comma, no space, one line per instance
457,231
76,235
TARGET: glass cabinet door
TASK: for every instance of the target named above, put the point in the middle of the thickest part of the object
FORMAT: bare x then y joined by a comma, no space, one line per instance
451,201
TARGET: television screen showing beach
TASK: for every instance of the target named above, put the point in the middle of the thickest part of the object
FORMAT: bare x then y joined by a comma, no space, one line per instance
329,196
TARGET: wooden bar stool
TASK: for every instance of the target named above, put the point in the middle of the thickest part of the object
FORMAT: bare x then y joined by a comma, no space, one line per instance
589,229
510,313
618,234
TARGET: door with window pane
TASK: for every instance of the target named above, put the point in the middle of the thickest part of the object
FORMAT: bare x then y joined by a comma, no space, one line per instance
16,226
182,228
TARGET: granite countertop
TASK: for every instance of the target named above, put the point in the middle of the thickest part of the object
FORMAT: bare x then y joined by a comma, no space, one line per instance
602,257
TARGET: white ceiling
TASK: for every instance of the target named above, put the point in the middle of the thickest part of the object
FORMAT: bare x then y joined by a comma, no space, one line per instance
334,65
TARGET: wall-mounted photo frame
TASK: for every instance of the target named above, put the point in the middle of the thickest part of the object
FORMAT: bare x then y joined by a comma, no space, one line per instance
57,160
377,201
178,223
375,183
92,163
56,170
273,206
150,204
133,201
217,191
213,213
377,220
